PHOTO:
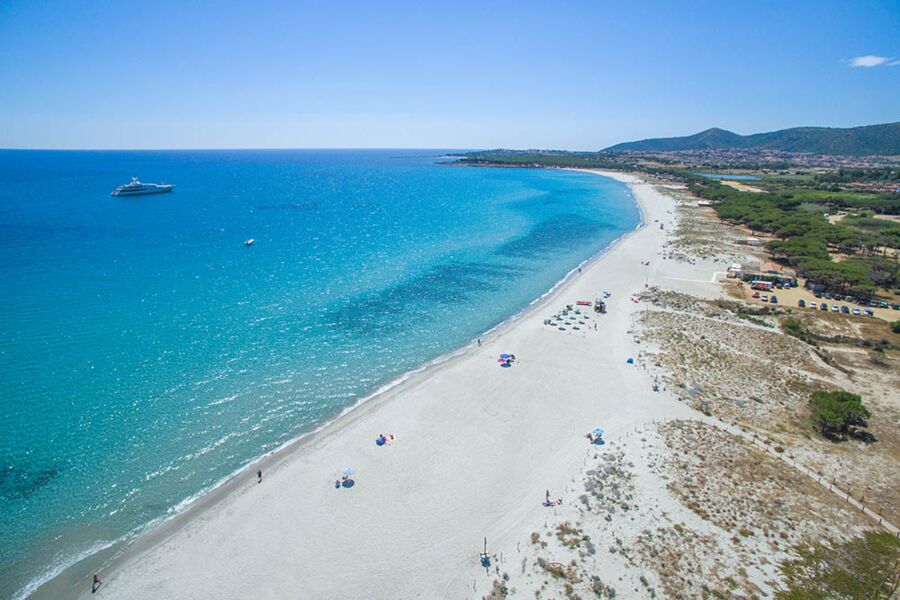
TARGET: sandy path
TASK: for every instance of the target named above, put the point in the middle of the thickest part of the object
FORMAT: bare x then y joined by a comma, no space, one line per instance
741,187
476,447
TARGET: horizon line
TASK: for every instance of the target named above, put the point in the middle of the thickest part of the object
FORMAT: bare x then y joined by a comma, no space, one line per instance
224,148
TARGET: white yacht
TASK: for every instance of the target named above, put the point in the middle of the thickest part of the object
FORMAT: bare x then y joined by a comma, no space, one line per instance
136,188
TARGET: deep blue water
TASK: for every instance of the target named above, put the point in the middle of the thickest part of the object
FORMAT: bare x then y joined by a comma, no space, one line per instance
146,353
727,176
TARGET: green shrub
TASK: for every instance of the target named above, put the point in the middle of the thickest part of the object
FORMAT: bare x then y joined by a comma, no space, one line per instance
838,414
794,327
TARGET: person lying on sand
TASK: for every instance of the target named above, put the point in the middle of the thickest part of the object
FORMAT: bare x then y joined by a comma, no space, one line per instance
382,439
548,502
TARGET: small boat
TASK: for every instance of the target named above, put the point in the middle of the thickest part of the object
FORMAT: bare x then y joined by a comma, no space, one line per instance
249,242
137,188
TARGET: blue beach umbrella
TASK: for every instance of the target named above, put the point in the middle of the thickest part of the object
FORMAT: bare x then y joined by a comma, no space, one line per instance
504,356
597,432
347,472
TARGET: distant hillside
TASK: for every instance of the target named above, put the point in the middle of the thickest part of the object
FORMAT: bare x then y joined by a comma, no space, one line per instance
869,140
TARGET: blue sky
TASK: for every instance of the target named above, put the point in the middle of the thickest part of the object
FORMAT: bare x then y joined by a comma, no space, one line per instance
576,75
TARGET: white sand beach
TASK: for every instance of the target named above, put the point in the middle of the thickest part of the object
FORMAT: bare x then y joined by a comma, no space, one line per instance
476,447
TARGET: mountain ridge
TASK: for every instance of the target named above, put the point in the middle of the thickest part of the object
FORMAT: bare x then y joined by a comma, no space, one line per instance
882,139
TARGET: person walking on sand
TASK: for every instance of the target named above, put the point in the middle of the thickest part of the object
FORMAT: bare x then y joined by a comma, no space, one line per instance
259,476
479,342
96,584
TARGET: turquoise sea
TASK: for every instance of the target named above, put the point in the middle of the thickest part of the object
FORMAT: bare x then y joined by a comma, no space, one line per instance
146,353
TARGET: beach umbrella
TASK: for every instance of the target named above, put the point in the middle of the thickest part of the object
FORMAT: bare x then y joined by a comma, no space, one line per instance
504,356
597,432
501,360
630,361
347,472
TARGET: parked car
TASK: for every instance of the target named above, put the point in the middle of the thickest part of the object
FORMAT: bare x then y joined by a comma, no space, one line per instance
818,294
813,305
883,304
856,312
773,299
824,306
869,312
827,295
873,303
801,303
849,299
835,308
895,306
764,298
845,309
756,294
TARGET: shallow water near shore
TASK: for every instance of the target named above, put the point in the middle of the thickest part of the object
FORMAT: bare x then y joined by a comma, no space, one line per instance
147,353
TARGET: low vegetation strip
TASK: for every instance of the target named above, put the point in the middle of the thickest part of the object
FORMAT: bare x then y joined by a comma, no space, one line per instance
795,328
865,567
